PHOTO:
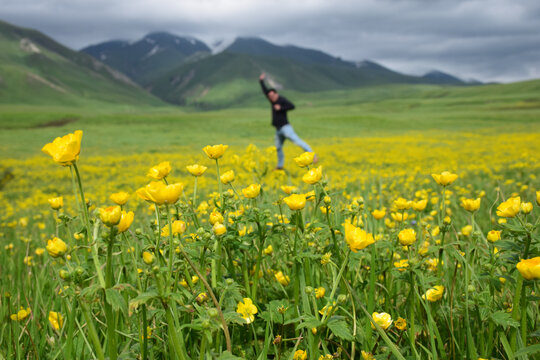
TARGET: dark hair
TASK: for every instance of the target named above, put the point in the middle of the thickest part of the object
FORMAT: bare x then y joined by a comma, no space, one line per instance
270,90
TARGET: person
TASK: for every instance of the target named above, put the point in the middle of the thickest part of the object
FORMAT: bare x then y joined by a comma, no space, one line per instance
284,130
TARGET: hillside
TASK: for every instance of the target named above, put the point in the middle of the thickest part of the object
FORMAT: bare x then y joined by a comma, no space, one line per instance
231,79
149,57
182,70
34,69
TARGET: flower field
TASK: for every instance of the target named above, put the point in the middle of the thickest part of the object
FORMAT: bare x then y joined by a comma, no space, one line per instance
420,246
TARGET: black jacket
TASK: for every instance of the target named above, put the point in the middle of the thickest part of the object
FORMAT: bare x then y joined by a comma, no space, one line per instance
279,117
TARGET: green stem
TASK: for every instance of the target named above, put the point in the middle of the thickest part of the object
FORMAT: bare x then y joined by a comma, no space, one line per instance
213,296
92,331
109,314
258,264
173,335
95,255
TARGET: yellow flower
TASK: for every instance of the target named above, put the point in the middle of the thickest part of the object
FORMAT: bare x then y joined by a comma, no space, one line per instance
39,251
310,195
110,215
367,355
466,230
319,292
423,250
28,261
529,268
288,189
434,293
432,264
538,197
407,237
399,217
56,319
227,177
526,207
120,198
509,208
419,205
282,279
401,323
384,320
21,314
202,297
268,250
196,169
247,310
300,354
125,221
305,159
402,204
295,201
252,191
313,176
445,178
56,203
325,259
356,238
379,214
215,151
216,217
327,309
178,227
401,265
494,235
148,257
219,229
65,150
470,205
56,247
159,193
159,171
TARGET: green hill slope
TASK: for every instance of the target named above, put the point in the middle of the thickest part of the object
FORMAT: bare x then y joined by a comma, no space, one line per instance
230,79
34,69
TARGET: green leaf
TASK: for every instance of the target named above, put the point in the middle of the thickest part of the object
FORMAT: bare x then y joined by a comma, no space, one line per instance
142,299
528,350
115,299
504,319
340,329
309,322
228,356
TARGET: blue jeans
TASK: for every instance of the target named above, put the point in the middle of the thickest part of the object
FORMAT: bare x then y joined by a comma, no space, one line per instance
287,132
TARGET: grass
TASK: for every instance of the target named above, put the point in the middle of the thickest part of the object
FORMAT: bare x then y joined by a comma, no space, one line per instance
378,111
376,145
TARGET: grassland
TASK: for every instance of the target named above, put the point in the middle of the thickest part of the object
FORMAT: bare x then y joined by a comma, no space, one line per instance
320,117
453,292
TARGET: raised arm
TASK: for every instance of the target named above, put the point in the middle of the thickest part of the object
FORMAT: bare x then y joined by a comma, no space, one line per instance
263,86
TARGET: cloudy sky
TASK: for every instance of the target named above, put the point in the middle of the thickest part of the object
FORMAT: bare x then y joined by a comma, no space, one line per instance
489,40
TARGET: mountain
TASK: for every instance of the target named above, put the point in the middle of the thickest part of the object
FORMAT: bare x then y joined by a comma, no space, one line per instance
260,47
231,78
34,69
186,71
150,56
439,77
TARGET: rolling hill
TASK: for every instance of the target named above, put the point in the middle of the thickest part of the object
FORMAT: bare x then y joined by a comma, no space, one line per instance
149,57
34,69
183,71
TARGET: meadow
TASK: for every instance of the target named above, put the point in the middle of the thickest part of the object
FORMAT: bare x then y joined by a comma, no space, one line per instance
373,252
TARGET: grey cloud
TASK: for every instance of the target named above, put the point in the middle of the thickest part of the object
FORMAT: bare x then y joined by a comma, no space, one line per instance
491,40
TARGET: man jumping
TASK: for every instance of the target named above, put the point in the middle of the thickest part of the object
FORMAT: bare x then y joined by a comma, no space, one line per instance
284,130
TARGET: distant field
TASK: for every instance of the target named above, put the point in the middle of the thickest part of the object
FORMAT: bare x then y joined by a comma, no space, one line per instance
384,110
